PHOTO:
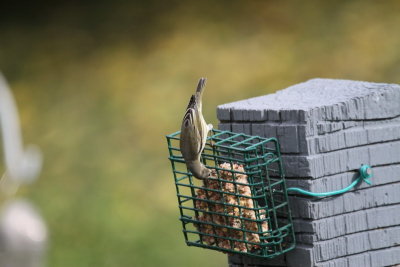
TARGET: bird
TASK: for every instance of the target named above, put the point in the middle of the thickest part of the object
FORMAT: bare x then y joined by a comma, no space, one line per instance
194,132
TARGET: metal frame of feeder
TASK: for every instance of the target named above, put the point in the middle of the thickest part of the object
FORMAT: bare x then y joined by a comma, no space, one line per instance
262,164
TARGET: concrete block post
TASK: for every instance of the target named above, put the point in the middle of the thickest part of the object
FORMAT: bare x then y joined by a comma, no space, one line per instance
327,128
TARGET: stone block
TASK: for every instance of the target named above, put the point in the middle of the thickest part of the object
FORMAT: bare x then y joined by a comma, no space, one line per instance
356,243
375,196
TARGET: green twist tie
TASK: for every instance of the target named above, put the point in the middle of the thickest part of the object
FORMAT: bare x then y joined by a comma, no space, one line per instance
365,174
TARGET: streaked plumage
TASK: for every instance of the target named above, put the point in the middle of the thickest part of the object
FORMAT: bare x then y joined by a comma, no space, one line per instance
194,133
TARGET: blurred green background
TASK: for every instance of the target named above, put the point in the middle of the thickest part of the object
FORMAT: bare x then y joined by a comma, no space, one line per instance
100,84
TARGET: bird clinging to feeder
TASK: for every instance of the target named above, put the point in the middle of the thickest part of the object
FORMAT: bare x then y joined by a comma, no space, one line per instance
194,133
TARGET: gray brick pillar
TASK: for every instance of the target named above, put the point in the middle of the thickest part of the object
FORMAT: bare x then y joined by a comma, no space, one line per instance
327,129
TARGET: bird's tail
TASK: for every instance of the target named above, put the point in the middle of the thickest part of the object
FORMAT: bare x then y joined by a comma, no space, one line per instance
199,92
200,86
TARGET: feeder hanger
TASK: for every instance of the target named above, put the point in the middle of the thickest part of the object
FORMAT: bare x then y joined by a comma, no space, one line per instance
23,165
365,174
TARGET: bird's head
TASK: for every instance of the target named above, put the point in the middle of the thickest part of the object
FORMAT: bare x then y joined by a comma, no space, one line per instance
205,173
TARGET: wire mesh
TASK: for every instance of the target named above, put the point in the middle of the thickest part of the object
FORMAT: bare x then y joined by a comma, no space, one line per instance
243,207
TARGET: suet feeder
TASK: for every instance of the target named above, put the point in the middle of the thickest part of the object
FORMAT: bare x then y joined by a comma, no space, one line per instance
243,207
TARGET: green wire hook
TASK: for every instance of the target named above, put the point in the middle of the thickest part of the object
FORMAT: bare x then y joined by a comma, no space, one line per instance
365,174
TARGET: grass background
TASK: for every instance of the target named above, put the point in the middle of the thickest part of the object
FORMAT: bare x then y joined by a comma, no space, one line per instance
99,85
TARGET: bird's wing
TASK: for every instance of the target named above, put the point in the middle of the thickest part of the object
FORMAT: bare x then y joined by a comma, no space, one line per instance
193,123
191,131
192,103
200,123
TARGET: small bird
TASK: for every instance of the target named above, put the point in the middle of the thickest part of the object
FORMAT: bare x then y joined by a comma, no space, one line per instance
194,133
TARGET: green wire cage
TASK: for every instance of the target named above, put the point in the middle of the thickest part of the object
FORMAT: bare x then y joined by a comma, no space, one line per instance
243,207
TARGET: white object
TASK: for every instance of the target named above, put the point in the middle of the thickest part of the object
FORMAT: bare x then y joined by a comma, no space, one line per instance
22,165
23,235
